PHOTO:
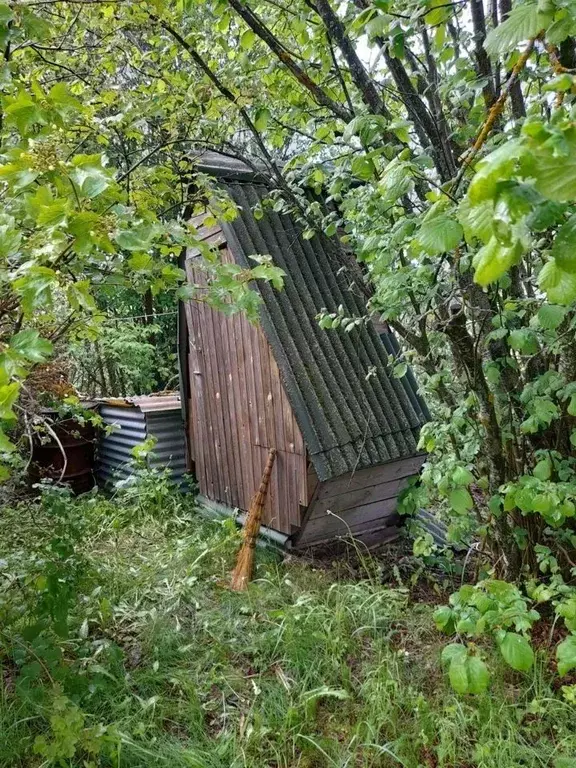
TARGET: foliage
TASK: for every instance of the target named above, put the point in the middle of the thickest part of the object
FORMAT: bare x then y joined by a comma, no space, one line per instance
164,665
439,139
73,225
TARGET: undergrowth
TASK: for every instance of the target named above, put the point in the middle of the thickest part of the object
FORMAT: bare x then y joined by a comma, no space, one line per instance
121,646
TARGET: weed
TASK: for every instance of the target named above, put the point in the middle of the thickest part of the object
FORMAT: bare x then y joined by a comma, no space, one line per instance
161,665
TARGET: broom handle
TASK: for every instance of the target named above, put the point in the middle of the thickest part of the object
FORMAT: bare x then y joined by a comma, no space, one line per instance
267,473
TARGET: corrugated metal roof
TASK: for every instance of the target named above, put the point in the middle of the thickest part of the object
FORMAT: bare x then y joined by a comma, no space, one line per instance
351,411
146,403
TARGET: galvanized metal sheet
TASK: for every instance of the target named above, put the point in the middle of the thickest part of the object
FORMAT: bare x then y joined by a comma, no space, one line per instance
133,424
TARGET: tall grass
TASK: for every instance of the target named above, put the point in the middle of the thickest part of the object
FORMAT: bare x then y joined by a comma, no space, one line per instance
304,670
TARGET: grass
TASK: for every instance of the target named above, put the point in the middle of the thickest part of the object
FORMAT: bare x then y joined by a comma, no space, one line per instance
164,666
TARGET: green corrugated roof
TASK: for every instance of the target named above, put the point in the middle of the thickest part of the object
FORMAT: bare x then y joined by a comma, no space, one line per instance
349,419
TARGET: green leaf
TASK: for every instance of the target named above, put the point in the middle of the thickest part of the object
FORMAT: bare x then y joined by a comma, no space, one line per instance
439,234
517,652
52,215
564,246
6,13
559,285
493,260
35,289
562,27
524,22
550,316
562,83
396,181
400,370
476,220
89,175
79,295
545,216
458,674
29,345
363,168
462,476
23,112
543,469
139,238
444,619
247,39
262,118
453,651
6,445
440,12
10,239
566,655
478,675
460,500
8,396
523,340
555,172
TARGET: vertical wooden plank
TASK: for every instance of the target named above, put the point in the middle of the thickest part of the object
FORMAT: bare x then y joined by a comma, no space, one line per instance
286,499
235,405
272,439
198,311
213,405
219,322
243,415
267,437
197,384
253,406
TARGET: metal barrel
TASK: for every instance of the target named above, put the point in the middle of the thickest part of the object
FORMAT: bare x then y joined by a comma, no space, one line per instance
77,442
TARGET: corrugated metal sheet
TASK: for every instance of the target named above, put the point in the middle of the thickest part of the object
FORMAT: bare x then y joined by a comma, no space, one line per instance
148,403
352,412
133,426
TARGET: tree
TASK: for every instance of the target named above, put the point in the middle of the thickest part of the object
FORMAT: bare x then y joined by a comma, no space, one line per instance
439,137
72,223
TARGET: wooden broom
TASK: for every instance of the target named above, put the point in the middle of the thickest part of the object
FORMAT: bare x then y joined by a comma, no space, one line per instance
245,563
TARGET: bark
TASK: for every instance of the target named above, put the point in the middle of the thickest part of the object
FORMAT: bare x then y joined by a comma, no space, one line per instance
358,73
483,65
568,53
148,307
450,149
465,354
418,113
516,97
319,96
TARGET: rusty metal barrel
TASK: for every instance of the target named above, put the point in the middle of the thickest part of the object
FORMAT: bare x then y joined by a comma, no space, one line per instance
77,442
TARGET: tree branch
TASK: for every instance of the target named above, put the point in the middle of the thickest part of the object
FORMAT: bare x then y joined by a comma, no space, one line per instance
516,97
319,96
359,75
495,112
483,65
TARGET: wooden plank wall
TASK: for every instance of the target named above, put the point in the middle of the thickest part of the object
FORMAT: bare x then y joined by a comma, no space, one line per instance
239,410
362,504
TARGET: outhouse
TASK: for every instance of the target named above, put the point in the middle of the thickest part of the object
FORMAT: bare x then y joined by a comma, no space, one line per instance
345,429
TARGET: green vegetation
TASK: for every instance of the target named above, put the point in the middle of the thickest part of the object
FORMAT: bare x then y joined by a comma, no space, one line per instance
122,646
439,139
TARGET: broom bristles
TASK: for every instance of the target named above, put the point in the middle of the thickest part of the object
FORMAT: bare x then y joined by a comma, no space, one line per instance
245,562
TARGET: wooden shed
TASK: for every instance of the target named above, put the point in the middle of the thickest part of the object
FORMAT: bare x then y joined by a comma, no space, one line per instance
345,430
